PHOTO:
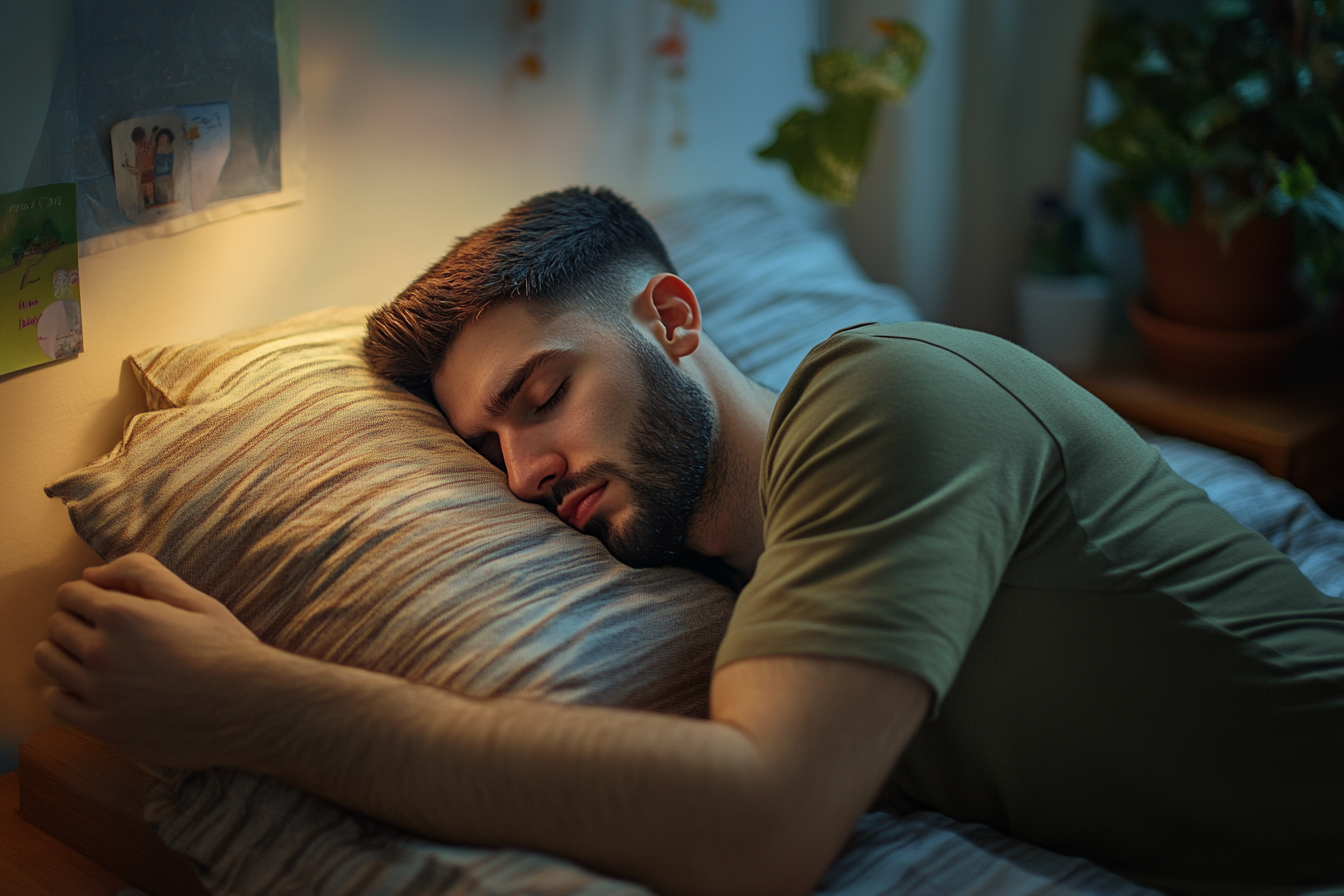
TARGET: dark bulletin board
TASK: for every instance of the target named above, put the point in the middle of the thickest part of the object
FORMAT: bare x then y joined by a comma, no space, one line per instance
124,57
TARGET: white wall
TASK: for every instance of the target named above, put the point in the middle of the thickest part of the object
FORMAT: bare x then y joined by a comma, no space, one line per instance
415,135
945,205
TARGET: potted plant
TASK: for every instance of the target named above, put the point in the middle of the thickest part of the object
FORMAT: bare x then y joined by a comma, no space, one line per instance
1229,147
827,150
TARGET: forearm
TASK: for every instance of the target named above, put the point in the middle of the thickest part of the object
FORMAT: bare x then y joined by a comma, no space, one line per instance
759,800
674,802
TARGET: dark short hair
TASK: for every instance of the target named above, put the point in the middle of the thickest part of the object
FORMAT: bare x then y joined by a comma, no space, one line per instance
138,134
569,249
164,132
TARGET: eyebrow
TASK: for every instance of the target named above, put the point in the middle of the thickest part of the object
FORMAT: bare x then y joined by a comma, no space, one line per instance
499,404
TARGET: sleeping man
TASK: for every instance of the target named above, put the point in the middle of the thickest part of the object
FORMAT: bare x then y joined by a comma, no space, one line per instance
968,586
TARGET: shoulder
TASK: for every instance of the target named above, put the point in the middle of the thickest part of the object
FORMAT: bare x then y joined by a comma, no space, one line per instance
918,344
927,371
899,408
910,370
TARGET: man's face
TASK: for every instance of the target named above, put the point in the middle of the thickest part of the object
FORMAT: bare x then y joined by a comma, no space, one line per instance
590,420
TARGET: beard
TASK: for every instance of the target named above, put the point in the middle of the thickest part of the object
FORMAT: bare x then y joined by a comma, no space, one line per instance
670,450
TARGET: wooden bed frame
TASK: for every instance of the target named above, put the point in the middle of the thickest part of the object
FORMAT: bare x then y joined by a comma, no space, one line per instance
89,797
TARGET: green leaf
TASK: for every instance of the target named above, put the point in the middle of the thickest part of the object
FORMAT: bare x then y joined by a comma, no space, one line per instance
1278,202
1201,121
1153,62
888,75
1324,204
828,150
1228,156
1327,63
1111,48
836,70
1139,139
1231,218
1322,252
1299,180
1170,196
1337,124
1254,91
1227,10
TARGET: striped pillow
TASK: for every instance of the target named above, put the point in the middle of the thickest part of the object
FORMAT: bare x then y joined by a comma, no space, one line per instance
339,517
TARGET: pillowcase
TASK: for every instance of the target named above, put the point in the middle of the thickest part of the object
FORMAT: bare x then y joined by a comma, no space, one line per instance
339,517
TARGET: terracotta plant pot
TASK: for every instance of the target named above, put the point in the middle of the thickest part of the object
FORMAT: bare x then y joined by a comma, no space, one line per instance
1212,357
1192,281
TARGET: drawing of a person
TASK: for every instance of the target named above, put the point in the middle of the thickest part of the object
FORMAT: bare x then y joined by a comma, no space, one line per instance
144,164
60,284
163,167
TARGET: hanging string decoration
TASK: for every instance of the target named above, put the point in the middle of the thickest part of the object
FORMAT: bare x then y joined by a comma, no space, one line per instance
671,50
530,62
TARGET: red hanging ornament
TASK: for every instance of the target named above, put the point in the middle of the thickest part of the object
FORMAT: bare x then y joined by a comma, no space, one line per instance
672,46
530,63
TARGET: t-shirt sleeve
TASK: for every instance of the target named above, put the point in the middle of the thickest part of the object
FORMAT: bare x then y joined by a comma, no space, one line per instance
897,480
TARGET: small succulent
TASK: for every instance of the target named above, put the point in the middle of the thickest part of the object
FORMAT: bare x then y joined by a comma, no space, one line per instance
1056,246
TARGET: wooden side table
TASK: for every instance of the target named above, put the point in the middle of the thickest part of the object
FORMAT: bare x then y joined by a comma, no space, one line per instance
71,824
1294,430
34,863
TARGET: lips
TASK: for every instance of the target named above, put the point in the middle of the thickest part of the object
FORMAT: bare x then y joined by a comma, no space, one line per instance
579,505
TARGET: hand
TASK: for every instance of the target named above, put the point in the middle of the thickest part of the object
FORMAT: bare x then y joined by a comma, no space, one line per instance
146,662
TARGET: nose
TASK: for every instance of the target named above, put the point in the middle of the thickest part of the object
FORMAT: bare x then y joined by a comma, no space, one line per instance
533,467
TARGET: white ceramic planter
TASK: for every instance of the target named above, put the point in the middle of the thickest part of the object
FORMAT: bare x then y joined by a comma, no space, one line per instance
1063,319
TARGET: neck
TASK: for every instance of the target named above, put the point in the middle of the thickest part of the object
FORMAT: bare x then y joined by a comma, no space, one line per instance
728,525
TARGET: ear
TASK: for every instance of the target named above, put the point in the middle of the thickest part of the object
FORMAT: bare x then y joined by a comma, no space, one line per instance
668,308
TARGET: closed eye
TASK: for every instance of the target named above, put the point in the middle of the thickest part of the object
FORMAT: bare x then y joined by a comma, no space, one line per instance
487,446
555,398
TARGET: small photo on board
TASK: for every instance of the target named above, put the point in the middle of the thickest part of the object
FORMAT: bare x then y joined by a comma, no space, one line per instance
152,160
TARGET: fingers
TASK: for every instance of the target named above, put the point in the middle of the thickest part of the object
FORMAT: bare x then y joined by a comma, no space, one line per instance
86,601
143,576
136,574
69,709
71,634
91,620
68,673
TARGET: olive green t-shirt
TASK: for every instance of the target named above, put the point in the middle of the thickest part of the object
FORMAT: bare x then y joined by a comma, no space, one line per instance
1121,671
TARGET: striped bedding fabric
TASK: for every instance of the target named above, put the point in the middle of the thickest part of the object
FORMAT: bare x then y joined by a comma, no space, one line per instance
340,518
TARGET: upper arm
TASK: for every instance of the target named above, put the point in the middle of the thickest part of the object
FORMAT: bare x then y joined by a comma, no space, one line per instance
826,733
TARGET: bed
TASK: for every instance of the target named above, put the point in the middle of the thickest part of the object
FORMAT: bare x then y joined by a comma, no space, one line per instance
339,517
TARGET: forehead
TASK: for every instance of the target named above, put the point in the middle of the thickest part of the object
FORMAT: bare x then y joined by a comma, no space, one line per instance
492,347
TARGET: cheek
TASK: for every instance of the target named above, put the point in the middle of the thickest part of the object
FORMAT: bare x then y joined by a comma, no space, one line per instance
604,417
616,506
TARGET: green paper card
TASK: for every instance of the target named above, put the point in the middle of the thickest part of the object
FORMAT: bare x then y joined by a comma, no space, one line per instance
40,318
